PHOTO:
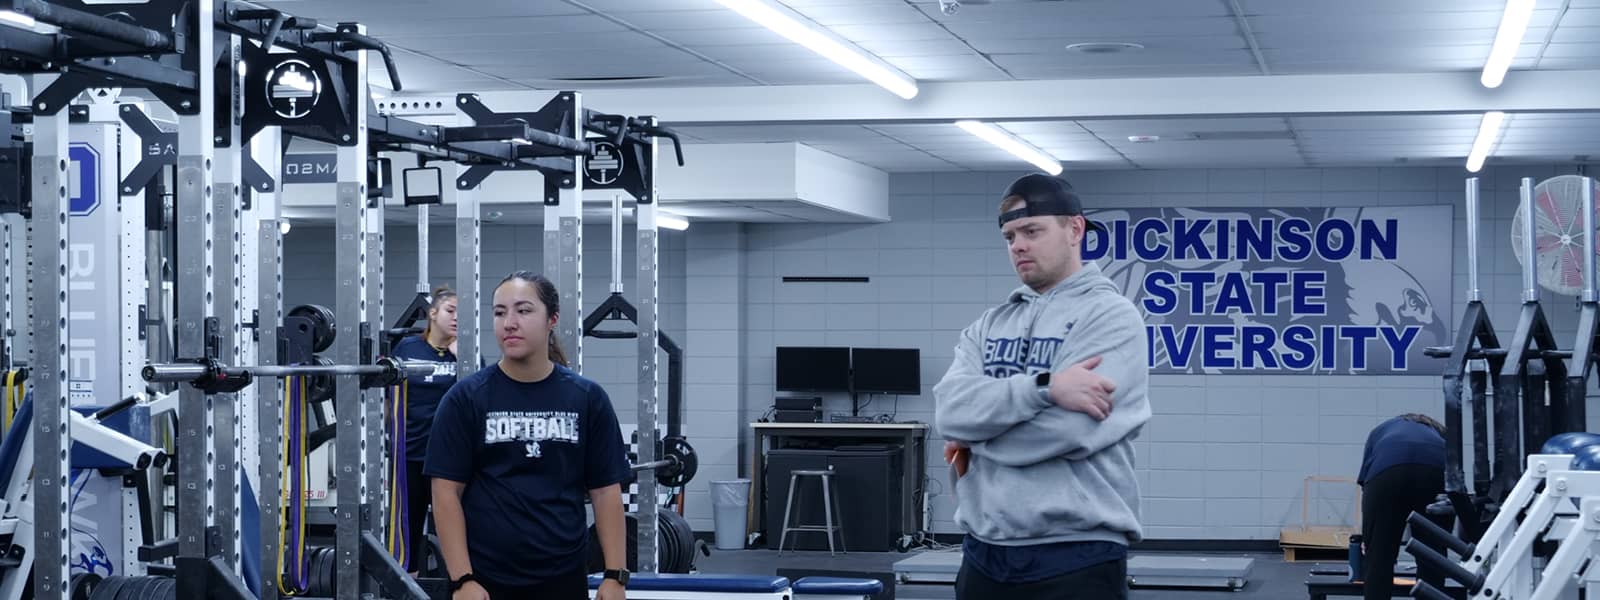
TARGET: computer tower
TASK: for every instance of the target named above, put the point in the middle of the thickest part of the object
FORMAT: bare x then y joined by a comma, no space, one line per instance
867,486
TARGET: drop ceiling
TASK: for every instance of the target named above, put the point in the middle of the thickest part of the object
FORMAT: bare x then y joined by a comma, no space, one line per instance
646,45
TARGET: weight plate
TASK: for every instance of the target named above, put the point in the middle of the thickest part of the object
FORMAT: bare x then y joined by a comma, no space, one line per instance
138,588
167,589
329,581
676,529
108,589
319,388
323,330
81,585
320,576
686,464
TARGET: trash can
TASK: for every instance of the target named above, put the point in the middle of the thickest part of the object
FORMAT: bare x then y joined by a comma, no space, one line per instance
730,500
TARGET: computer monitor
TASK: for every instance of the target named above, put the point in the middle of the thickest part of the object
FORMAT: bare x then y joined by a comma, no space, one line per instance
813,369
886,370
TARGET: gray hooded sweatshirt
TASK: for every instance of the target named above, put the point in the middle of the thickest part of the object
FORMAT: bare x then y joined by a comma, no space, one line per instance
1040,474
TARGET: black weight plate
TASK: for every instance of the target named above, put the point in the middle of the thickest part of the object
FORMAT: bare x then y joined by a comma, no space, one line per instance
313,565
322,334
167,589
108,588
81,585
319,388
676,529
319,574
152,587
138,588
330,583
688,463
632,539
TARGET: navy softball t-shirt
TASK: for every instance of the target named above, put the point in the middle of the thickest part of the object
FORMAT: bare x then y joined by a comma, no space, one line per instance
423,392
528,454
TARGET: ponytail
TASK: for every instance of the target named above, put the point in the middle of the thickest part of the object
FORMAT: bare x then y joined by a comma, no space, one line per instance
440,294
556,354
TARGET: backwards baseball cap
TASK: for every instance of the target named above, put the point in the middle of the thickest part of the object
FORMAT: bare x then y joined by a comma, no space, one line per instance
1044,195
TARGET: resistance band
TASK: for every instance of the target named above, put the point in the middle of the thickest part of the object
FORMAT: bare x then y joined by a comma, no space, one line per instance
398,533
295,437
12,400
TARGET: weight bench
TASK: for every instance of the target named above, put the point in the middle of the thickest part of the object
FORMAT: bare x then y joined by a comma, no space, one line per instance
674,586
677,586
818,588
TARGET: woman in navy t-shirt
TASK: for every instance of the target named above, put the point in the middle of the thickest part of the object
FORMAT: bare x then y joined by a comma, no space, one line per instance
437,345
515,449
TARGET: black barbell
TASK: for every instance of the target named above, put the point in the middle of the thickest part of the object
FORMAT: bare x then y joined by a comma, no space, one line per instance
215,377
677,465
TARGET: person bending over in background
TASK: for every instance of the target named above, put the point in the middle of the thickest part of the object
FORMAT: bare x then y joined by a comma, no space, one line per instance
516,447
1402,471
1042,403
436,344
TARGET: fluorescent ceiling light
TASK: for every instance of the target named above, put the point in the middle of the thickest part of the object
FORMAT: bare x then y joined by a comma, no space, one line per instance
1488,130
16,18
866,65
1013,144
671,222
1513,23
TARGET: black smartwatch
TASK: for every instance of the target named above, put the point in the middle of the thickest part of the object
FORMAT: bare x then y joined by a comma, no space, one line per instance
1042,383
455,584
621,575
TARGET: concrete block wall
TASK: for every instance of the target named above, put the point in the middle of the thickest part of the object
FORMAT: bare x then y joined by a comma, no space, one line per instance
1226,456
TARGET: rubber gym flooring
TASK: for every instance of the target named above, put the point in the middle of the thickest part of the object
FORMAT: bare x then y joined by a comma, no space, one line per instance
1270,577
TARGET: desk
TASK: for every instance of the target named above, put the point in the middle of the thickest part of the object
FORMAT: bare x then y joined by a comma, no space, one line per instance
911,436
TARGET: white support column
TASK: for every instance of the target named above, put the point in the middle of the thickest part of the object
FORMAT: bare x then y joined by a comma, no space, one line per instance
563,250
351,273
469,295
226,243
193,191
50,428
269,410
647,291
377,456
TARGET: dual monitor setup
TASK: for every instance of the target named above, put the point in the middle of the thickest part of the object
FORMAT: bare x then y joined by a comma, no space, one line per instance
842,369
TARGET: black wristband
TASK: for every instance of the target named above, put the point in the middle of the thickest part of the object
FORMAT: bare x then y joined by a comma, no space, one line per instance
455,584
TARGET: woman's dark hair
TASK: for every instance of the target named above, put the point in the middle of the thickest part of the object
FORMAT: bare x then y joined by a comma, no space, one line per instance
552,306
440,294
1425,420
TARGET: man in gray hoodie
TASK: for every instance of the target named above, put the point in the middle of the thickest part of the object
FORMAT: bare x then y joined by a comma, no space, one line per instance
1040,406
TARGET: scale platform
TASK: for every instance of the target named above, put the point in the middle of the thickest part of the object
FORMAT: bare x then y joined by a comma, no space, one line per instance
1168,570
1157,570
934,566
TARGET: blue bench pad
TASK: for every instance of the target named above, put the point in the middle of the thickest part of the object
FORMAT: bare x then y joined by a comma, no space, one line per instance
838,586
678,582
